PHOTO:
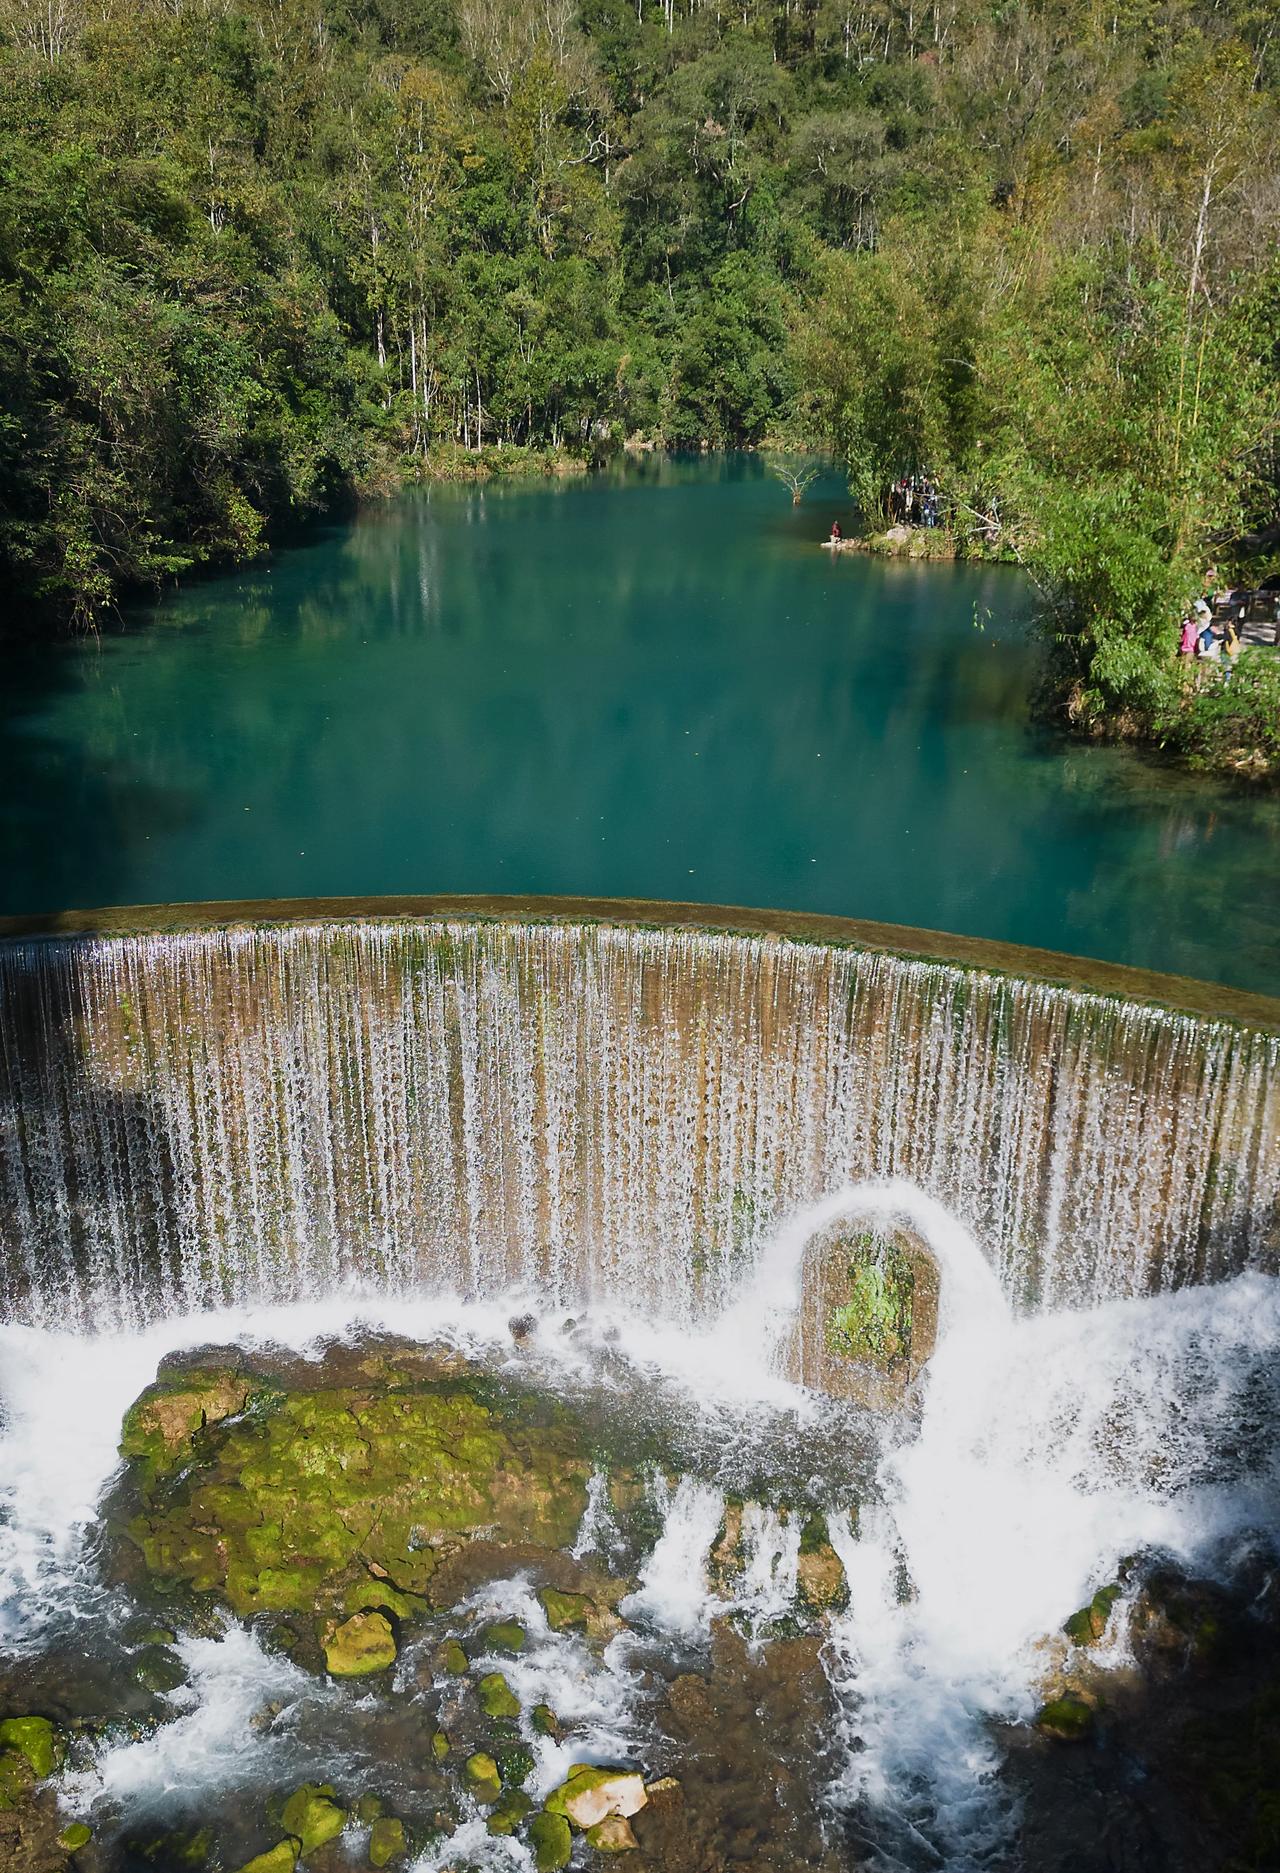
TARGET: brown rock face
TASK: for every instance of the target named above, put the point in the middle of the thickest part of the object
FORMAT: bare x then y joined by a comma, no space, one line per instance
869,1317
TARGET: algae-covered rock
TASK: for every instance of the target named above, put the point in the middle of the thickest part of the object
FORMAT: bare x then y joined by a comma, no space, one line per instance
75,1836
564,1609
497,1699
282,1858
515,1763
312,1816
1089,1624
158,1429
157,1668
452,1660
591,1793
504,1635
363,1643
875,1322
544,1720
387,1843
439,1745
551,1841
34,1739
1068,1718
369,1808
337,1498
612,1835
482,1776
509,1812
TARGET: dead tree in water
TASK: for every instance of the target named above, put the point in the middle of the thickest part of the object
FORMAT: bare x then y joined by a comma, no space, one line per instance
797,476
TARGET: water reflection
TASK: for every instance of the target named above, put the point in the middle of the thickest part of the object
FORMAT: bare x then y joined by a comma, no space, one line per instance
649,683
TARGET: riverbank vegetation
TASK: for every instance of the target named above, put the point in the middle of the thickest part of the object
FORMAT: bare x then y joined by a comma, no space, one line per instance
257,256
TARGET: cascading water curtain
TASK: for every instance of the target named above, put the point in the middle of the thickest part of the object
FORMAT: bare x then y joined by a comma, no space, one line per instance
252,1114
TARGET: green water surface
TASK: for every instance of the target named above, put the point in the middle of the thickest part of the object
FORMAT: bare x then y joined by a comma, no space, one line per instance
650,684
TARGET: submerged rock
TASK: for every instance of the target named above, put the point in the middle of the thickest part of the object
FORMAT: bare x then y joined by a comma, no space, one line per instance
512,1807
483,1779
504,1635
318,1489
612,1835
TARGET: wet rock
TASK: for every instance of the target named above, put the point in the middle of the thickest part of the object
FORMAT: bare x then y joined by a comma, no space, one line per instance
504,1635
439,1745
544,1720
509,1812
591,1793
368,1808
451,1660
483,1779
1068,1718
820,1578
665,1794
158,1669
880,1301
515,1763
497,1699
1090,1623
387,1842
552,1842
522,1328
346,1485
564,1610
35,1740
282,1858
361,1644
312,1816
75,1836
612,1835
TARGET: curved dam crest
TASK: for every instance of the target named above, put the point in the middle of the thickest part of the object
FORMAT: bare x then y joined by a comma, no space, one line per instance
607,1102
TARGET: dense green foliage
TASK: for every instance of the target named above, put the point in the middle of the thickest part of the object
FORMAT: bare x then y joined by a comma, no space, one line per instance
256,255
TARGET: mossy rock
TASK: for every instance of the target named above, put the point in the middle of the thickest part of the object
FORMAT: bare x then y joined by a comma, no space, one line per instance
482,1776
871,1314
612,1835
336,1498
592,1792
354,1647
509,1812
544,1720
159,1428
1090,1623
1067,1718
156,1668
439,1745
387,1843
312,1816
564,1609
75,1836
282,1858
497,1699
552,1842
504,1635
369,1809
452,1660
35,1740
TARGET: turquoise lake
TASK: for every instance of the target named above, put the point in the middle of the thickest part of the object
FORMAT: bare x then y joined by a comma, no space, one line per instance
648,684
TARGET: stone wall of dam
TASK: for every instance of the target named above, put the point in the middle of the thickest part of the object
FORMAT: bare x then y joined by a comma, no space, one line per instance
605,1102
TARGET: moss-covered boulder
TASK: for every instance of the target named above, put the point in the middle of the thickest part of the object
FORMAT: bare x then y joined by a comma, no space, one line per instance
512,1807
504,1635
312,1816
564,1610
35,1740
387,1843
1068,1719
352,1647
482,1776
1090,1623
452,1660
497,1699
551,1841
75,1836
591,1793
292,1492
870,1317
282,1858
544,1720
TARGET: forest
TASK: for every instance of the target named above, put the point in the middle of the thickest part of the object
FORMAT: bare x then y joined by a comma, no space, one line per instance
262,258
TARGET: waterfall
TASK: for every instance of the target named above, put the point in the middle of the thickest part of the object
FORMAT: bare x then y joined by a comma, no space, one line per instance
255,1114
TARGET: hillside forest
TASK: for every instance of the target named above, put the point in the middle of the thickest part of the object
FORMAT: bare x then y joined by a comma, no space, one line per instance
259,258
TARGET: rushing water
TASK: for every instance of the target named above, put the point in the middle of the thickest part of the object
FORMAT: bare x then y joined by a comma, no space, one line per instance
1048,1447
252,1115
655,686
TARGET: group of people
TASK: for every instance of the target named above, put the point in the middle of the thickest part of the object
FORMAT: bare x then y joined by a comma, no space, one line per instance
915,501
1207,638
